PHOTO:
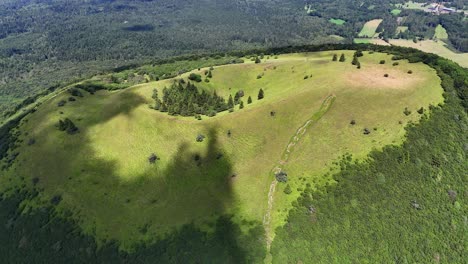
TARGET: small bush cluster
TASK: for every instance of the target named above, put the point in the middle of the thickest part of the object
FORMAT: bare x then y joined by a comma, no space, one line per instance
281,176
67,125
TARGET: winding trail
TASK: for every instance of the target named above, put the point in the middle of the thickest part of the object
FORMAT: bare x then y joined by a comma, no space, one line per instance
326,104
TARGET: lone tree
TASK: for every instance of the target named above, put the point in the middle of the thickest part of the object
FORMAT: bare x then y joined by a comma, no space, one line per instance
335,57
257,60
260,94
230,103
249,100
342,57
241,104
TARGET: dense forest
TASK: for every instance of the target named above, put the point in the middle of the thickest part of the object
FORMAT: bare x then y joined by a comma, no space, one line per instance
49,44
403,204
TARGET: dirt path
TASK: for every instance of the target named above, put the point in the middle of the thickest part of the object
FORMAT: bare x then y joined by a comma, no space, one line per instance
326,104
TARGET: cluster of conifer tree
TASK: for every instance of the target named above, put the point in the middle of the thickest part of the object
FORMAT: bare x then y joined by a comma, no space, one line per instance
186,100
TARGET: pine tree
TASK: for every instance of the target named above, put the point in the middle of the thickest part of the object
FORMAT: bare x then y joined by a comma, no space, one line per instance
230,102
241,104
155,94
260,94
335,57
236,98
342,58
249,100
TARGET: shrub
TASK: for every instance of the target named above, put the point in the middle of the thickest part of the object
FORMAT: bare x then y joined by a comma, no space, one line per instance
287,189
249,100
335,57
200,138
56,199
153,158
71,99
395,64
366,131
67,125
385,75
410,72
421,110
407,112
353,122
306,77
281,176
31,141
382,62
257,60
61,103
195,77
75,92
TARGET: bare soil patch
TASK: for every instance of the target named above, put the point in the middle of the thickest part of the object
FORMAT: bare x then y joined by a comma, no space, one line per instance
373,78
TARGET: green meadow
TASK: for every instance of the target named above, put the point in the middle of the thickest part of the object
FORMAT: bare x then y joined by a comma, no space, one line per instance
440,33
102,174
370,27
395,12
337,21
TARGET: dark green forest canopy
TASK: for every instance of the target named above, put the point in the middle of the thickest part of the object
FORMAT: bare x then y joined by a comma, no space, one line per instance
417,189
48,44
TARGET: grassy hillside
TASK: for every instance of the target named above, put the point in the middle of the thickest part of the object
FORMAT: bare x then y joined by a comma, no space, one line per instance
103,176
401,205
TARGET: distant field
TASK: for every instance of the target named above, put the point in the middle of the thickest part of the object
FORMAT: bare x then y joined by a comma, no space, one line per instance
395,12
434,47
371,40
362,40
440,33
401,29
337,21
103,175
412,5
369,29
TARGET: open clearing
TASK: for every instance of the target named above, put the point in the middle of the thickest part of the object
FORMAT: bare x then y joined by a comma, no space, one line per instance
440,32
432,46
337,21
103,175
369,28
395,12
